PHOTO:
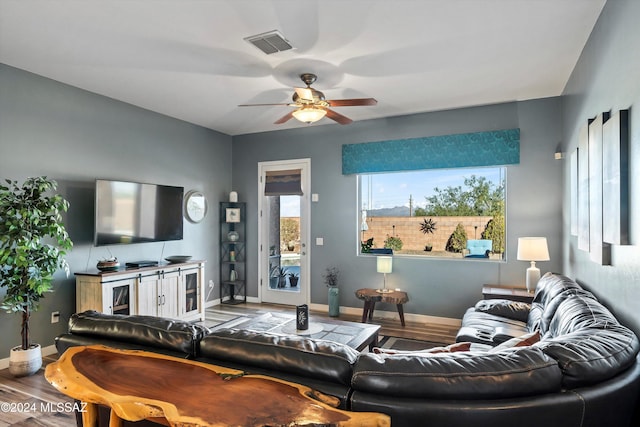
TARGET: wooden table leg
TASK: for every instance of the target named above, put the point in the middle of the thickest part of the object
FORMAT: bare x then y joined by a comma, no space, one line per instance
115,420
365,311
372,306
401,313
90,415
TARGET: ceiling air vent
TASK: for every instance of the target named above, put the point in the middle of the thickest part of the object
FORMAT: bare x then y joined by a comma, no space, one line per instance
270,42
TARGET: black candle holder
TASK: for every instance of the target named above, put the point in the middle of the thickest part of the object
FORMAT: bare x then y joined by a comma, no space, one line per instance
302,317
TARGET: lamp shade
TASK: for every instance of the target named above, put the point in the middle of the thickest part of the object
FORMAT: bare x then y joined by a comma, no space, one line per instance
309,114
384,264
533,249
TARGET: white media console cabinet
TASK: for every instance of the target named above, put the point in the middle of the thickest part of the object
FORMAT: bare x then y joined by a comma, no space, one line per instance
170,290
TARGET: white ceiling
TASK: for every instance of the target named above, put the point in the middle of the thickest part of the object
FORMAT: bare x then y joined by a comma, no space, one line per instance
187,58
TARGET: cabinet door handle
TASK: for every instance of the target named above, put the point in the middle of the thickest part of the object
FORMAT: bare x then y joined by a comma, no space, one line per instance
163,299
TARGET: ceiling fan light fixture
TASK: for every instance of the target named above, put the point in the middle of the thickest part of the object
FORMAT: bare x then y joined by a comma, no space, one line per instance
309,114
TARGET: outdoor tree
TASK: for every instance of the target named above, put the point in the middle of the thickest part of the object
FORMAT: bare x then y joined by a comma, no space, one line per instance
458,240
289,231
478,197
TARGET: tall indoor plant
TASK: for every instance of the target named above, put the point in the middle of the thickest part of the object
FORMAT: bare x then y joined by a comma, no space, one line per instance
33,243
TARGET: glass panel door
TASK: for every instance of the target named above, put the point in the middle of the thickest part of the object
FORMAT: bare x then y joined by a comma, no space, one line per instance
284,230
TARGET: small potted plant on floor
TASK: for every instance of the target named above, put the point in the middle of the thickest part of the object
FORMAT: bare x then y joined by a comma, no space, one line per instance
282,277
293,279
331,280
33,243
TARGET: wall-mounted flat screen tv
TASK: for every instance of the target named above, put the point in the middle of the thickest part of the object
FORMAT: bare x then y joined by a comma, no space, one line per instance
132,212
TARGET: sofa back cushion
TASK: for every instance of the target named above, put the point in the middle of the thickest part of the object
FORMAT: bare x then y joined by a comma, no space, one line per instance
173,335
548,288
522,371
324,360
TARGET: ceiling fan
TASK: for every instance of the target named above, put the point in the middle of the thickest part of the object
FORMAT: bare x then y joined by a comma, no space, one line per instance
311,104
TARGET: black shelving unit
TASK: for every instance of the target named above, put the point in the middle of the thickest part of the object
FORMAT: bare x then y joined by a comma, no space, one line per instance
233,254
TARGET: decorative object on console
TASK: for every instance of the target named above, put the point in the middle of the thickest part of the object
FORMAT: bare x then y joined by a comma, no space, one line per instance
195,206
233,197
233,236
384,265
108,264
532,249
174,259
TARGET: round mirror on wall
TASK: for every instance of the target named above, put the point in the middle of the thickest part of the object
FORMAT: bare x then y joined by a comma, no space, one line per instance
195,206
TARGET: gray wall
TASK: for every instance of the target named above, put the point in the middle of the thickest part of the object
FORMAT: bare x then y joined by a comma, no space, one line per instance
73,136
436,287
606,79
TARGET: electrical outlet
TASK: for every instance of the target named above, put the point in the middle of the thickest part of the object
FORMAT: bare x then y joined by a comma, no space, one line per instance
55,317
211,284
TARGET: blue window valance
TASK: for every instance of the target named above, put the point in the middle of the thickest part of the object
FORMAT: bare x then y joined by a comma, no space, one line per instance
491,148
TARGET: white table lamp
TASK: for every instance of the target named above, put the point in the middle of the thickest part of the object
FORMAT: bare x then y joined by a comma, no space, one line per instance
384,264
532,249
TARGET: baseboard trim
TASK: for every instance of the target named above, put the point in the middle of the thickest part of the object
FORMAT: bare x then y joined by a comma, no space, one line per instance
46,351
393,315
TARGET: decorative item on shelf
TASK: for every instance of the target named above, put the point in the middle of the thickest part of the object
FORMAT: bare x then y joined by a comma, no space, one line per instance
233,236
331,280
532,249
175,259
233,215
384,265
232,256
302,317
108,264
233,197
233,276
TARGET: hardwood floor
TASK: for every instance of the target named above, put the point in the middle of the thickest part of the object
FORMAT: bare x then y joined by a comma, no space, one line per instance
32,401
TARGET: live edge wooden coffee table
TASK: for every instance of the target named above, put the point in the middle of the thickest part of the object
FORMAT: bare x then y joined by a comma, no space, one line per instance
139,385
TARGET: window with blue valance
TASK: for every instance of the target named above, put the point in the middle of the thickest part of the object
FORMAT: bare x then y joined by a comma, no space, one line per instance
490,148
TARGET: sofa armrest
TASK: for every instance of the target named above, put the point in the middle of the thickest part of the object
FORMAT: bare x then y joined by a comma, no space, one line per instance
505,308
148,331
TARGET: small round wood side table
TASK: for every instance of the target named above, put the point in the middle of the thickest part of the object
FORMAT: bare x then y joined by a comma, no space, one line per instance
371,296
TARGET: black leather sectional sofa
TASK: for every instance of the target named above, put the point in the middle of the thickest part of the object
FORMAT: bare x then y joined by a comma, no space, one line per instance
583,372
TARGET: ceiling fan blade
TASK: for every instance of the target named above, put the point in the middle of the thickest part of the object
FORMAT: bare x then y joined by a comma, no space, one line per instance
343,120
352,102
260,105
304,93
284,118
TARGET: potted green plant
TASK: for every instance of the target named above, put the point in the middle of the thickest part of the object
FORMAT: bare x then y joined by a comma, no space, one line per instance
331,280
293,279
33,243
282,277
273,276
